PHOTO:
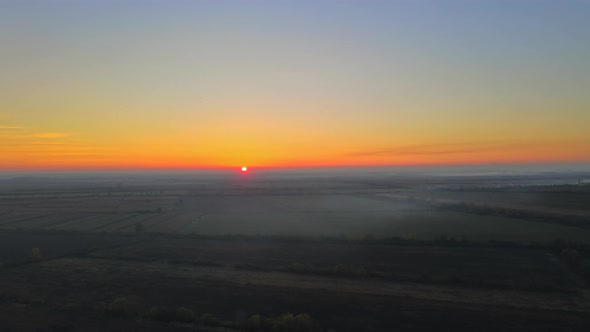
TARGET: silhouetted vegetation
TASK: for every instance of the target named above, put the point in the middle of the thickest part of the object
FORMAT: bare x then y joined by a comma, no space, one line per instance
122,307
36,255
284,323
571,257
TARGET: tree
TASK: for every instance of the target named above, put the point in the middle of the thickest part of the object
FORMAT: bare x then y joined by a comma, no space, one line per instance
122,306
571,257
36,255
185,315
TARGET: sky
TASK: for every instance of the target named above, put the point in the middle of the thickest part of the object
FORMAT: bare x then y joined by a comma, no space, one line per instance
167,84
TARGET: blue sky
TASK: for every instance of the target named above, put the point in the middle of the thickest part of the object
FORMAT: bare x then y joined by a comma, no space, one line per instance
113,76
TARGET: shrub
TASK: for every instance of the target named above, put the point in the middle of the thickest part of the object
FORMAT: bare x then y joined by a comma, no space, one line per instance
291,323
254,323
161,314
571,257
209,319
303,322
36,255
166,315
121,306
185,315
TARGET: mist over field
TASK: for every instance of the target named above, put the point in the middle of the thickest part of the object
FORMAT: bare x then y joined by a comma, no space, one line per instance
502,203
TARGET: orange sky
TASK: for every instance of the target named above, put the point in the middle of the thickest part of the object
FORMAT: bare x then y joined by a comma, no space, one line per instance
210,85
27,149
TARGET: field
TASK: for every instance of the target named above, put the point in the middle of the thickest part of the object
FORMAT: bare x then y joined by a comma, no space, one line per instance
386,286
477,208
178,252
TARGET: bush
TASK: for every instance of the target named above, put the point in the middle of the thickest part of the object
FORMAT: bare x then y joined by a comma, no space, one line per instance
161,314
121,306
36,255
571,257
254,323
209,319
285,323
185,315
292,323
166,315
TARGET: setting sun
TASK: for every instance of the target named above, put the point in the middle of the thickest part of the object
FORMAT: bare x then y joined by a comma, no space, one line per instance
244,169
376,87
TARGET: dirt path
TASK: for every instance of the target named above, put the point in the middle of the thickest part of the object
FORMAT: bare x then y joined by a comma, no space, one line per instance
576,302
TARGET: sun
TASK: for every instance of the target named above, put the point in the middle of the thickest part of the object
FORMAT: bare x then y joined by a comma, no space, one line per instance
244,169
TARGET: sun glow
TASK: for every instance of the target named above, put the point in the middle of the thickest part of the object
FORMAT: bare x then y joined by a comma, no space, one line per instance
244,169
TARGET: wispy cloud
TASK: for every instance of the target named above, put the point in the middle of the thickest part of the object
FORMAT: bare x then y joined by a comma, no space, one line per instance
20,144
17,132
51,135
437,149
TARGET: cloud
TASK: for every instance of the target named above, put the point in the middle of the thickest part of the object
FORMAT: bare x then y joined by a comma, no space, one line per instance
25,132
50,135
36,146
436,149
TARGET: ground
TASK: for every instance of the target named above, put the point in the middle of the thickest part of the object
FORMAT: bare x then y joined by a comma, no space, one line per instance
407,287
373,253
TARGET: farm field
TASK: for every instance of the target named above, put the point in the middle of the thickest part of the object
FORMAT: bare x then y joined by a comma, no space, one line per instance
16,248
502,268
178,252
482,209
234,279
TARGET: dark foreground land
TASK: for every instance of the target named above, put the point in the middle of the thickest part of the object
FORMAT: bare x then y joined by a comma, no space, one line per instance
344,252
151,282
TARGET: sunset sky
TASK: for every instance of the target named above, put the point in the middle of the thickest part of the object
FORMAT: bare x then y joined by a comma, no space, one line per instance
114,84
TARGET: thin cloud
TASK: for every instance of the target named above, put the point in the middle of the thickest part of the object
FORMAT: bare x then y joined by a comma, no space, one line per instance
436,149
51,135
23,143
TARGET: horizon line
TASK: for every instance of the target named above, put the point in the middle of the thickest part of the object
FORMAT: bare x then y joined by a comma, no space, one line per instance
285,167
